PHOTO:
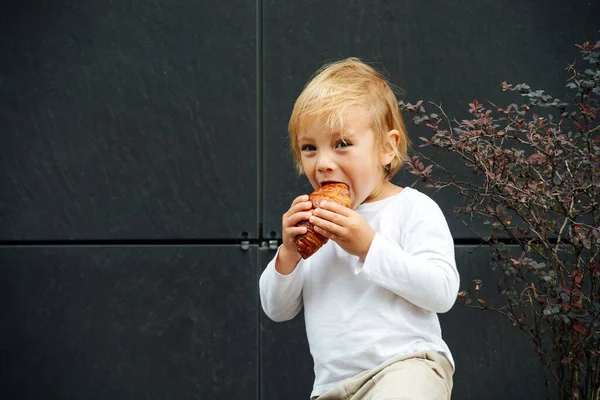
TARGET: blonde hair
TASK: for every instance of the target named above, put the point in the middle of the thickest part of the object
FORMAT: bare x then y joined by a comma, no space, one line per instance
336,87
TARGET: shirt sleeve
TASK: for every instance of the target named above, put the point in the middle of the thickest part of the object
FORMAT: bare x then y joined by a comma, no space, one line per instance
281,295
420,266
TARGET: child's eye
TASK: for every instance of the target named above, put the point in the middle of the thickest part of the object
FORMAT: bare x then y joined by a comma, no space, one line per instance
342,144
308,147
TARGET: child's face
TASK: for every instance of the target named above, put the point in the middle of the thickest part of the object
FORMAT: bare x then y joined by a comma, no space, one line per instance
352,158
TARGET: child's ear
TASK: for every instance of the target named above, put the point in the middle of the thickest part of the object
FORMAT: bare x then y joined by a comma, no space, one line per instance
389,147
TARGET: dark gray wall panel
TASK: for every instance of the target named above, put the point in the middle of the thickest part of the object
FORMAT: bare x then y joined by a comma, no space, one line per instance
128,119
168,322
286,364
447,52
494,360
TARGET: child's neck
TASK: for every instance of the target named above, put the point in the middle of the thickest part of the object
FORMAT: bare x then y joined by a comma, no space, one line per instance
385,190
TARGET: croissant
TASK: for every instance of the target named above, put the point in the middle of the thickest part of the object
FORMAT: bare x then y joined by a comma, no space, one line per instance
308,243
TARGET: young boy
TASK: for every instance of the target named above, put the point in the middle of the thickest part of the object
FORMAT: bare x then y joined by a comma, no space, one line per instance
371,293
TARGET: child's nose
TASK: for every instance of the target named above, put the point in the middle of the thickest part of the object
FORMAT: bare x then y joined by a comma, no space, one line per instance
325,163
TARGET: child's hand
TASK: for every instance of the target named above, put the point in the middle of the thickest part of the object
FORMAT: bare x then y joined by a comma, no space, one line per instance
344,226
288,254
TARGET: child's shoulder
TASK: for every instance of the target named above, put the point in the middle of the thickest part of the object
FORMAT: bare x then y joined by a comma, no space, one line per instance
410,203
412,196
405,203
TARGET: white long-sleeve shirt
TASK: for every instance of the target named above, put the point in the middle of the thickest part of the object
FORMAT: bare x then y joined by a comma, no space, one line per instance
360,314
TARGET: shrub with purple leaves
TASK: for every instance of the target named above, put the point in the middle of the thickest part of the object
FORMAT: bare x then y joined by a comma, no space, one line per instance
537,187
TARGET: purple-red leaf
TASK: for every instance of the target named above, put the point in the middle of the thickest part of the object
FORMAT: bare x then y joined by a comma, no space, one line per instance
578,327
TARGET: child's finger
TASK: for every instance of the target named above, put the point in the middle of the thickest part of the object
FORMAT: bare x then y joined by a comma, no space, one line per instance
299,207
299,199
325,225
302,206
329,215
326,233
296,230
336,208
297,217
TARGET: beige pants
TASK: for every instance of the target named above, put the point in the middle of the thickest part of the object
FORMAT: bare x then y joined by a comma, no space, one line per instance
418,376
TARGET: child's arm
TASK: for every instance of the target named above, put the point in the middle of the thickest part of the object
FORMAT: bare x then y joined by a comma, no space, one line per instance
281,295
281,283
419,266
